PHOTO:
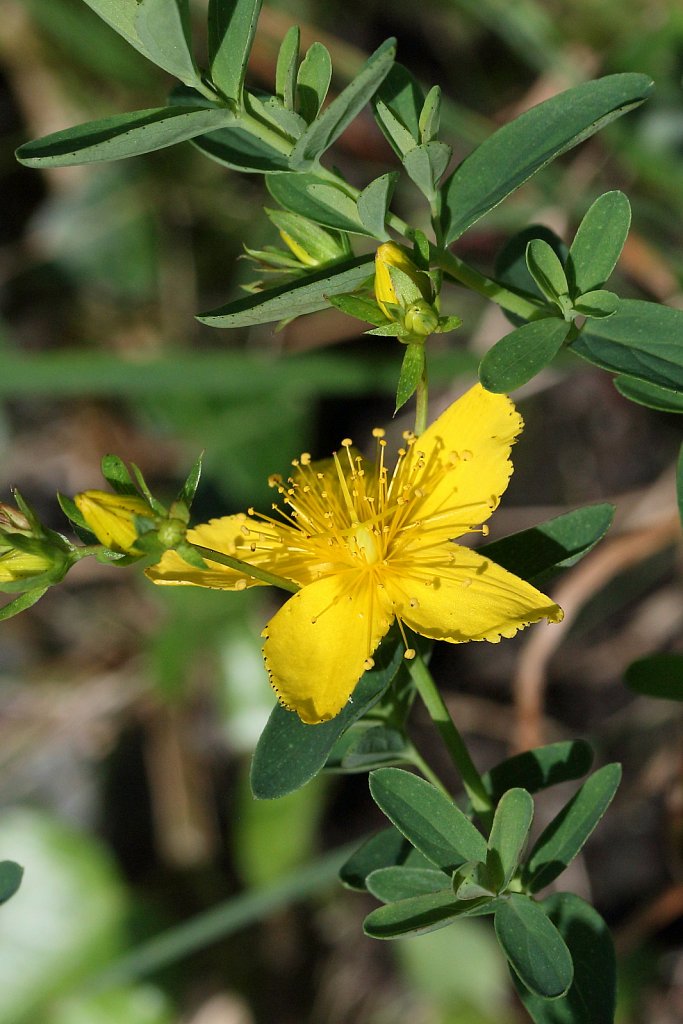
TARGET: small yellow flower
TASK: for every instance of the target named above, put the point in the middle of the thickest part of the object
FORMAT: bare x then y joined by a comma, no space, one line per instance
369,545
111,517
391,255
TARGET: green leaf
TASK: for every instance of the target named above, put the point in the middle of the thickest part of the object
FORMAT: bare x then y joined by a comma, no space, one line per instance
289,753
124,135
523,353
519,149
361,308
546,269
116,474
10,879
313,81
387,848
377,746
285,72
306,295
373,204
412,369
597,245
657,675
120,15
599,303
401,96
418,915
592,996
642,340
293,191
430,115
539,553
537,769
564,837
511,269
400,883
241,151
511,824
427,818
163,28
21,603
426,165
327,128
473,880
232,24
651,395
534,947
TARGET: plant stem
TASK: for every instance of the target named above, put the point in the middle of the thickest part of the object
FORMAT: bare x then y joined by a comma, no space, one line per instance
438,712
460,271
422,400
247,569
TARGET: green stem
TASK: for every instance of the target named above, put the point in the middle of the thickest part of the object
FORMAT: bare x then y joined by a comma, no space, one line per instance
460,271
438,712
247,569
265,133
422,401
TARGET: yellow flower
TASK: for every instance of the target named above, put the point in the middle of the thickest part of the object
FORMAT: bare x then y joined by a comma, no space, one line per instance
369,545
18,565
391,255
111,517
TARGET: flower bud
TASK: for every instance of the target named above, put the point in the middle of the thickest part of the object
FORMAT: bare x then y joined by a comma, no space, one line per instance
391,255
12,520
421,319
17,564
111,517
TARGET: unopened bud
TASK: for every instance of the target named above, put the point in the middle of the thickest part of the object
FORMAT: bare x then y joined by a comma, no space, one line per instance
421,319
391,255
111,517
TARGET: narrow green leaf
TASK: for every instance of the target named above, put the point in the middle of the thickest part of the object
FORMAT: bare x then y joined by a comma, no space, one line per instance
642,340
511,269
426,817
401,95
232,24
361,308
430,115
591,998
519,149
418,915
163,27
537,769
305,295
11,875
387,848
289,753
21,603
373,204
241,151
189,488
313,81
377,746
657,675
426,164
327,128
599,303
287,61
293,190
534,947
401,883
540,552
566,834
116,474
120,15
412,369
124,135
511,824
597,245
651,395
546,269
523,353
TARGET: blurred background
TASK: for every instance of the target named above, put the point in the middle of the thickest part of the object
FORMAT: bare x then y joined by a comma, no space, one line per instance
128,713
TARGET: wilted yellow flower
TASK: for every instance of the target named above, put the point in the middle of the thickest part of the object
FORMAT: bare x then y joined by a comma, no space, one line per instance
111,517
369,545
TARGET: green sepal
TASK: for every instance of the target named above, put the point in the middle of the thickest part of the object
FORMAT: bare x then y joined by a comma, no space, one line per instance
566,834
313,81
427,818
597,304
412,370
286,68
657,675
153,503
389,330
533,946
189,488
523,353
448,323
116,474
387,848
598,242
289,753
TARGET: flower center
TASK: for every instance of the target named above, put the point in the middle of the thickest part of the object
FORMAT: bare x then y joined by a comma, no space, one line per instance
366,540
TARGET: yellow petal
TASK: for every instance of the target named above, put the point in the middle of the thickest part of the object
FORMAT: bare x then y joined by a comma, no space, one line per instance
317,644
111,517
460,464
468,598
245,537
